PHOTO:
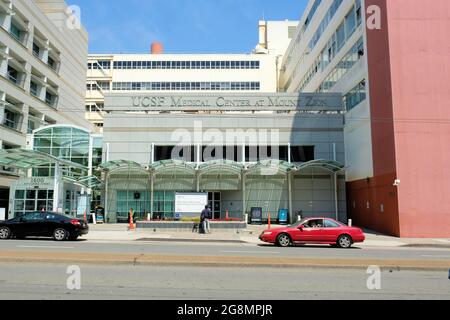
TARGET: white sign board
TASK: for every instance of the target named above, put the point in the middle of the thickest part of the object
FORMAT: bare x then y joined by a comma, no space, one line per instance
190,203
2,214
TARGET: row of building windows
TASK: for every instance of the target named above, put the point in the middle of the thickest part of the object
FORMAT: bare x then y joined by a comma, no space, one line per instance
99,86
325,22
355,96
299,37
299,154
349,60
335,44
18,31
318,34
105,64
186,86
17,74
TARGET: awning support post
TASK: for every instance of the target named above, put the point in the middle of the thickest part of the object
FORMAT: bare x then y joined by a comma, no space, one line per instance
336,201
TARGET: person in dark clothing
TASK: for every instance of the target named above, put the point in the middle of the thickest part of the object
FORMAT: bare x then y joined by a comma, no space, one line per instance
204,220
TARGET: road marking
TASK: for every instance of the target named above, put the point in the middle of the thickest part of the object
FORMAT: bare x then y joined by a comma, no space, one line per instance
259,252
435,256
44,247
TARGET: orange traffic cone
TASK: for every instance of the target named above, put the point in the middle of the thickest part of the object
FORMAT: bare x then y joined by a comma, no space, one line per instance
131,220
85,217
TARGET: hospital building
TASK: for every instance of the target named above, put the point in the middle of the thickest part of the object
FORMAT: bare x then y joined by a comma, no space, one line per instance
324,117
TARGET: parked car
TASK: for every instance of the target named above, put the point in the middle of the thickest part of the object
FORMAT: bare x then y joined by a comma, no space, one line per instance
314,231
43,224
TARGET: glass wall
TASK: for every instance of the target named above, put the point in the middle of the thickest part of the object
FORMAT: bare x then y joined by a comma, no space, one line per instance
26,201
65,143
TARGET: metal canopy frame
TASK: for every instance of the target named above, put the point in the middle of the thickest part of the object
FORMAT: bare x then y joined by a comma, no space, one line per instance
216,167
24,159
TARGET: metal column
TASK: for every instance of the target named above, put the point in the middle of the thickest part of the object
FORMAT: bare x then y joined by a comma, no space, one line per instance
336,201
244,204
106,196
291,213
151,193
56,187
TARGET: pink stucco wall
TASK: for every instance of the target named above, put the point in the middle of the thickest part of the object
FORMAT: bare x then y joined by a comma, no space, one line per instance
419,49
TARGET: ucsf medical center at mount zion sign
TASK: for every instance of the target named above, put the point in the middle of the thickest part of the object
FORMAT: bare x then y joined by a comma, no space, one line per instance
288,153
230,102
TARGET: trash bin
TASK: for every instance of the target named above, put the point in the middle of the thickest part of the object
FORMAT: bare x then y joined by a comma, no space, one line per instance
283,216
256,216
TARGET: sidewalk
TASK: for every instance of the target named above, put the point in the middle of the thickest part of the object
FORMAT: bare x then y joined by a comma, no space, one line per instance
119,232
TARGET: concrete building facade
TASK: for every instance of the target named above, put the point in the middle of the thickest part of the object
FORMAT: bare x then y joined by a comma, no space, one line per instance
42,74
388,59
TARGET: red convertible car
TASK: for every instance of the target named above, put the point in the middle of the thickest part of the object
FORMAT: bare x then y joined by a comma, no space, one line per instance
314,231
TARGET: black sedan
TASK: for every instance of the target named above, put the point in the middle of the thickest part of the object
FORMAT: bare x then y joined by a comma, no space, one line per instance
43,224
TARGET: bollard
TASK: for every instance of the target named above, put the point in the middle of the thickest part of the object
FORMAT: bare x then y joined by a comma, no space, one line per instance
84,216
268,217
246,218
226,215
350,222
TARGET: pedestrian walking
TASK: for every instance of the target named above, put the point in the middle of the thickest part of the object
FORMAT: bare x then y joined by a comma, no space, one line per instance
207,215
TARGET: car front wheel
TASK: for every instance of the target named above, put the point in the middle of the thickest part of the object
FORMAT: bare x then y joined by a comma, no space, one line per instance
283,240
345,241
5,233
60,234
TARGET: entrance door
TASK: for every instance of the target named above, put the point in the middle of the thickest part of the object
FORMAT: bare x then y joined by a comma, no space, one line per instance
214,201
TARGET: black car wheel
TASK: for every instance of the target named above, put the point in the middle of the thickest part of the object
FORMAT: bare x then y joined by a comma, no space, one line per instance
345,241
60,234
5,233
283,240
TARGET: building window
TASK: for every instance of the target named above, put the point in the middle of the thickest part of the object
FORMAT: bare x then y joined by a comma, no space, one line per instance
16,32
36,50
31,127
13,75
50,99
355,96
300,154
11,119
52,63
34,89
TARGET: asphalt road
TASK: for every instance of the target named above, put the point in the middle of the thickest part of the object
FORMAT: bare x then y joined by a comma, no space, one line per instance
48,281
214,249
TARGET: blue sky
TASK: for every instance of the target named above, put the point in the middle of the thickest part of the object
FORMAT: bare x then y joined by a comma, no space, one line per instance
184,26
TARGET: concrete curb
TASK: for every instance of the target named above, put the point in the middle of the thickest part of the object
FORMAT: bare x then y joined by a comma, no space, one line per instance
221,261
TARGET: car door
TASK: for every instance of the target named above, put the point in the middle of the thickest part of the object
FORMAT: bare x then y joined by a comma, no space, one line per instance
32,224
317,233
52,221
306,233
332,230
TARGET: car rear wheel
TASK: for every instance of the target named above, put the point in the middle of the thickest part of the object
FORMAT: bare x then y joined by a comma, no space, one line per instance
60,234
283,240
5,233
345,241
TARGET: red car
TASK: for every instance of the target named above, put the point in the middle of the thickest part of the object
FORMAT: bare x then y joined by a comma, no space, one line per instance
314,231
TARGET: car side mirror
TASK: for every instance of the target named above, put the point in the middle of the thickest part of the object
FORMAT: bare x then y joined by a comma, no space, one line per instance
300,228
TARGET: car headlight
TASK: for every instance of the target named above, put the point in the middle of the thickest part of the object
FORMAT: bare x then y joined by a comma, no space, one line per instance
267,233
